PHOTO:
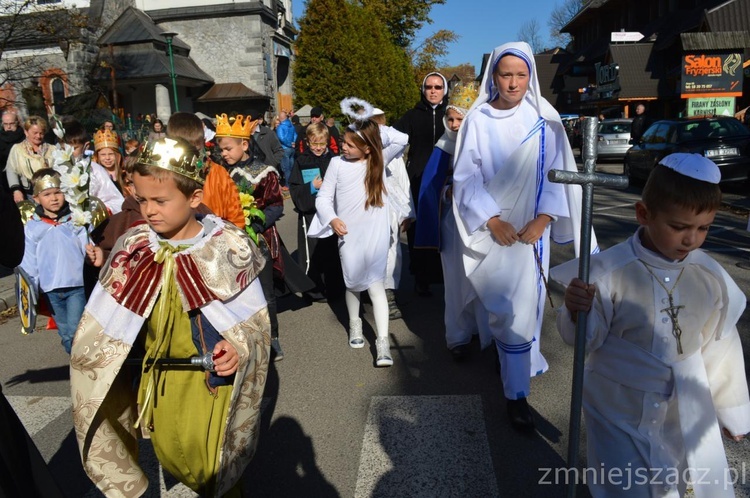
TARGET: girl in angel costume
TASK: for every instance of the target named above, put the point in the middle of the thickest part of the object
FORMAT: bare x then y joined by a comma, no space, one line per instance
354,203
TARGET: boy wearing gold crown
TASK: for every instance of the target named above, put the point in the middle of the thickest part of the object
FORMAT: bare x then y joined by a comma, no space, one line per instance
54,253
436,227
180,286
246,164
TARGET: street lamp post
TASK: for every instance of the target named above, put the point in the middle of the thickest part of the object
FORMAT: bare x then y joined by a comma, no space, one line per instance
169,37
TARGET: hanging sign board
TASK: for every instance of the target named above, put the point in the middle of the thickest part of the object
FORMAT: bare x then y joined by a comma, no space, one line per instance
715,106
715,74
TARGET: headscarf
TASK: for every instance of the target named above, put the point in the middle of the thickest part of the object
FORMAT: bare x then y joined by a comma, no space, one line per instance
488,91
445,89
562,231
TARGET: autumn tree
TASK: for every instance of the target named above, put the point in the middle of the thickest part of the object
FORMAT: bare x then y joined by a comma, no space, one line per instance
428,56
343,51
403,18
466,72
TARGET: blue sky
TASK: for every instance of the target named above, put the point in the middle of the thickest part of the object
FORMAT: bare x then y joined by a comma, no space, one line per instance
481,24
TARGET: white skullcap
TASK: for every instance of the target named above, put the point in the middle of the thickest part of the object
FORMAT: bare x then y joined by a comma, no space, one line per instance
693,165
377,112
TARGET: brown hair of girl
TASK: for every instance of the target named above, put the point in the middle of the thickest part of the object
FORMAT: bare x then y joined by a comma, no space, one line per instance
366,137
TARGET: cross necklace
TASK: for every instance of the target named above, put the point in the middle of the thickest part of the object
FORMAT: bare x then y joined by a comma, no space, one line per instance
672,311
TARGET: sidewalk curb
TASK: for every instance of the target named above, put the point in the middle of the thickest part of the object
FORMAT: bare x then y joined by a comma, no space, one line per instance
7,300
7,289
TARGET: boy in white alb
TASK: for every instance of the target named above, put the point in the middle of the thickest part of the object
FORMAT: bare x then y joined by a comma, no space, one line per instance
665,368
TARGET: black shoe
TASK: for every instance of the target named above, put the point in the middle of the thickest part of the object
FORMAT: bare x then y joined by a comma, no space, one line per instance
519,414
460,353
316,297
277,354
393,312
423,290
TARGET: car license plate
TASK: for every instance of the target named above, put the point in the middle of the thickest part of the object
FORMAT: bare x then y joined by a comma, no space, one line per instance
728,151
617,141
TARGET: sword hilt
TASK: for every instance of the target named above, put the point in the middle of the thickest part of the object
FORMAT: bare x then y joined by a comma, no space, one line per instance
206,362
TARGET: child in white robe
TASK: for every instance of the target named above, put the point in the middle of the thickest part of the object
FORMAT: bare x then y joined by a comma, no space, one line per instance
55,250
398,186
507,211
353,203
665,367
436,228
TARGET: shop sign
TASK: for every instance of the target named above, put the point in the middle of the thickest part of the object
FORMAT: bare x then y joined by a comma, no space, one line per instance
626,36
607,83
607,75
712,75
715,106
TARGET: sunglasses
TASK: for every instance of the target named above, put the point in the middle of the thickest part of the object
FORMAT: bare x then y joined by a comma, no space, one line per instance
436,87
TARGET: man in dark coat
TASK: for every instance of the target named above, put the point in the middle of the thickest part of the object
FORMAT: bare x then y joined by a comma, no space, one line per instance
267,140
424,125
641,122
11,134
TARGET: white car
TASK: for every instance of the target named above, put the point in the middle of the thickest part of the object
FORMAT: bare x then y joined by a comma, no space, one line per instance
613,138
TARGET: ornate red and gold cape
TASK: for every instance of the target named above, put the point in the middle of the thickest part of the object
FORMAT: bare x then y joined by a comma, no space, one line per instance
218,276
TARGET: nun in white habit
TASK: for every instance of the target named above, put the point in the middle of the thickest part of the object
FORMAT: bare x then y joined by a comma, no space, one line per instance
506,210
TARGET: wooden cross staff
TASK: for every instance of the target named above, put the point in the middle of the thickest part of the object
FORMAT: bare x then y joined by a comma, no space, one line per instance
587,179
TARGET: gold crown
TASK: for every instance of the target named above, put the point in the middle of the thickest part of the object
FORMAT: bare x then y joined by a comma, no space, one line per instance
463,95
45,182
174,156
240,128
104,139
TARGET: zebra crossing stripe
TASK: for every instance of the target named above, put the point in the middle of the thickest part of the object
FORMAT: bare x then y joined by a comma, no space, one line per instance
425,446
37,411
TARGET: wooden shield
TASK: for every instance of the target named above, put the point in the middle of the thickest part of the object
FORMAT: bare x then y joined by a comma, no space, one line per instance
27,300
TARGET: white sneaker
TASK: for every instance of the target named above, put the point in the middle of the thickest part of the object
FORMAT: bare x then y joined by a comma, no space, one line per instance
356,339
383,347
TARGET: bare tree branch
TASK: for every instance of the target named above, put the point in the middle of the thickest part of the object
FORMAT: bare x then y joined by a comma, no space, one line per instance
560,16
529,32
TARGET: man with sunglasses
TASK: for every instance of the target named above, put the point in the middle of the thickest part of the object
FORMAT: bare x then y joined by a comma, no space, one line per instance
424,125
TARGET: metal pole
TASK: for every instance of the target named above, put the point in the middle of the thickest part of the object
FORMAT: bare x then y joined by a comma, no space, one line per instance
172,74
590,125
113,78
587,179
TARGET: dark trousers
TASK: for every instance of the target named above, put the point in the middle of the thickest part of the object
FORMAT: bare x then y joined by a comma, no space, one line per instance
266,282
424,264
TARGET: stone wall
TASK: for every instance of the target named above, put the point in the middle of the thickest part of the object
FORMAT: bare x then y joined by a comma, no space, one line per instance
112,10
229,48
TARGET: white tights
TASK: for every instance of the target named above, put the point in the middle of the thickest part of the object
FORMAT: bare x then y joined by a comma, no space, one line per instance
379,306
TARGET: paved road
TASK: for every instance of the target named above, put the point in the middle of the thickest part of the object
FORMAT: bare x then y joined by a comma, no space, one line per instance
336,426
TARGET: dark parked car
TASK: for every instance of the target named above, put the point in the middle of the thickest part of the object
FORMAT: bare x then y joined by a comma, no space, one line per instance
724,140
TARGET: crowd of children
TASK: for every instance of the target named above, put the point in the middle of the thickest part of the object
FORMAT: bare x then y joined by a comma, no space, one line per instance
189,264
